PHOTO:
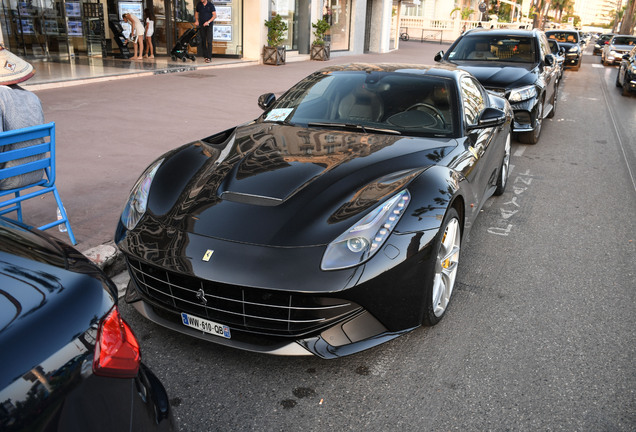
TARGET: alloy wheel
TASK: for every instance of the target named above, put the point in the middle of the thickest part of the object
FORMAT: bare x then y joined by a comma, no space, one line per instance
446,266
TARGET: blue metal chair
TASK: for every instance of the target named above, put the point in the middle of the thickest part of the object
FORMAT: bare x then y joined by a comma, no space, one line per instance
27,170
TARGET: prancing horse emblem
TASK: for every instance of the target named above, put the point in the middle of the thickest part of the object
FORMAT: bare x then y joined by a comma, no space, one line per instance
208,255
201,296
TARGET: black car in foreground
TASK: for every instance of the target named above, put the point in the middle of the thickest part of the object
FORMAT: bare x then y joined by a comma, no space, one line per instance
516,64
68,360
626,75
330,224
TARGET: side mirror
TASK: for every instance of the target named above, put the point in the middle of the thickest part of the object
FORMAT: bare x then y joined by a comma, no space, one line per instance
266,100
438,56
549,60
489,117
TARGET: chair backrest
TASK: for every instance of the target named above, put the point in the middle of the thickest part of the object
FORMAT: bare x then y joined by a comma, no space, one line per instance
361,105
26,156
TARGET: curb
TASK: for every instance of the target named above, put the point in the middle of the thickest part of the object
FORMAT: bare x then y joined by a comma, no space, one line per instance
108,258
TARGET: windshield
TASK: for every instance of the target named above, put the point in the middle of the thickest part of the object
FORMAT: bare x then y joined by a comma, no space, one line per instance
624,40
495,48
569,37
380,102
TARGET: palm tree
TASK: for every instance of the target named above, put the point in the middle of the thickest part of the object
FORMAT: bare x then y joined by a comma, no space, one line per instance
627,27
465,13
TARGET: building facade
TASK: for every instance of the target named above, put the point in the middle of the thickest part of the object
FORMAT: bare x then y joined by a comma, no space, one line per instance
69,28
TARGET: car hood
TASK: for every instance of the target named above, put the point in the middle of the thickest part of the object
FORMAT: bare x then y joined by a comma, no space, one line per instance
282,185
501,75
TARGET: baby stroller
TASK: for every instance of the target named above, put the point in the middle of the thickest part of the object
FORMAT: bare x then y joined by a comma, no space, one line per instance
186,40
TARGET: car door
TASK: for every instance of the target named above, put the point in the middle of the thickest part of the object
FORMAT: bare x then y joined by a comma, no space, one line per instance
549,72
481,170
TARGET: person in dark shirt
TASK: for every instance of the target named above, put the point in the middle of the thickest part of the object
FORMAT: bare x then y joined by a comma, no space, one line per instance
204,15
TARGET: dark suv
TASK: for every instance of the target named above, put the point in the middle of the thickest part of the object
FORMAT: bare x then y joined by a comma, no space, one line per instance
517,64
571,41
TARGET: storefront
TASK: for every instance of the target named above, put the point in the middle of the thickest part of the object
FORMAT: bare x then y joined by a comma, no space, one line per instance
42,28
64,29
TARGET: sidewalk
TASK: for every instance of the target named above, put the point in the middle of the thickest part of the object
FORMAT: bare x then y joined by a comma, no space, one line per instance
109,129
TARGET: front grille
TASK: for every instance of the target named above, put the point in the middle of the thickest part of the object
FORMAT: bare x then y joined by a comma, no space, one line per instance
252,309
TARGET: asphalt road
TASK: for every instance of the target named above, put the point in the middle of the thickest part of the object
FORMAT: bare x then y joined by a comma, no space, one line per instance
541,332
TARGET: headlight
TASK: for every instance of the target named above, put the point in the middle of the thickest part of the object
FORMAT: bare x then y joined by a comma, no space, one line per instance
597,46
614,53
360,242
574,49
522,93
138,199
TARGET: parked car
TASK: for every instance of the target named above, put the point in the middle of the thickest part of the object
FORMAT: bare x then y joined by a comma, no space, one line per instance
571,41
626,75
618,46
517,64
601,42
69,361
559,54
330,224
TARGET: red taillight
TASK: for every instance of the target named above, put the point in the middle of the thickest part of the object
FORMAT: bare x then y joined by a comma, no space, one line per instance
117,349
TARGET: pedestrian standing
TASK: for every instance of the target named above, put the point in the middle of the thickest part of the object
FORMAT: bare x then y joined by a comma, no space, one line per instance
204,15
19,108
136,34
150,30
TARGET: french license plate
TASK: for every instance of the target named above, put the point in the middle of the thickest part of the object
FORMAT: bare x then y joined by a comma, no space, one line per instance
205,325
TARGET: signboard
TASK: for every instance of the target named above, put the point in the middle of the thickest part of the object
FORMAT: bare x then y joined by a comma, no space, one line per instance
482,7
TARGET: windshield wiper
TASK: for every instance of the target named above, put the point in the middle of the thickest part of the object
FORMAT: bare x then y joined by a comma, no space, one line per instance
356,127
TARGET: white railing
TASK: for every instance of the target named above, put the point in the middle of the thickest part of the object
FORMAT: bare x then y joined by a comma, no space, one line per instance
446,30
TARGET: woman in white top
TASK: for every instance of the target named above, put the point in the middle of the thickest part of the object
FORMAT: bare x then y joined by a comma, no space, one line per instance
136,34
150,30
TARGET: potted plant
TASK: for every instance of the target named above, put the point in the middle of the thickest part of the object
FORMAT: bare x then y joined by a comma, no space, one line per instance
320,48
274,52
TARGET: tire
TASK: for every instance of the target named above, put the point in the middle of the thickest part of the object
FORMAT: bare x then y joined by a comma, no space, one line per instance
504,169
618,74
445,262
625,91
533,137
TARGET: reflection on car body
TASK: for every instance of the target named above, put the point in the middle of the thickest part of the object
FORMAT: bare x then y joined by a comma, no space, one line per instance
330,224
